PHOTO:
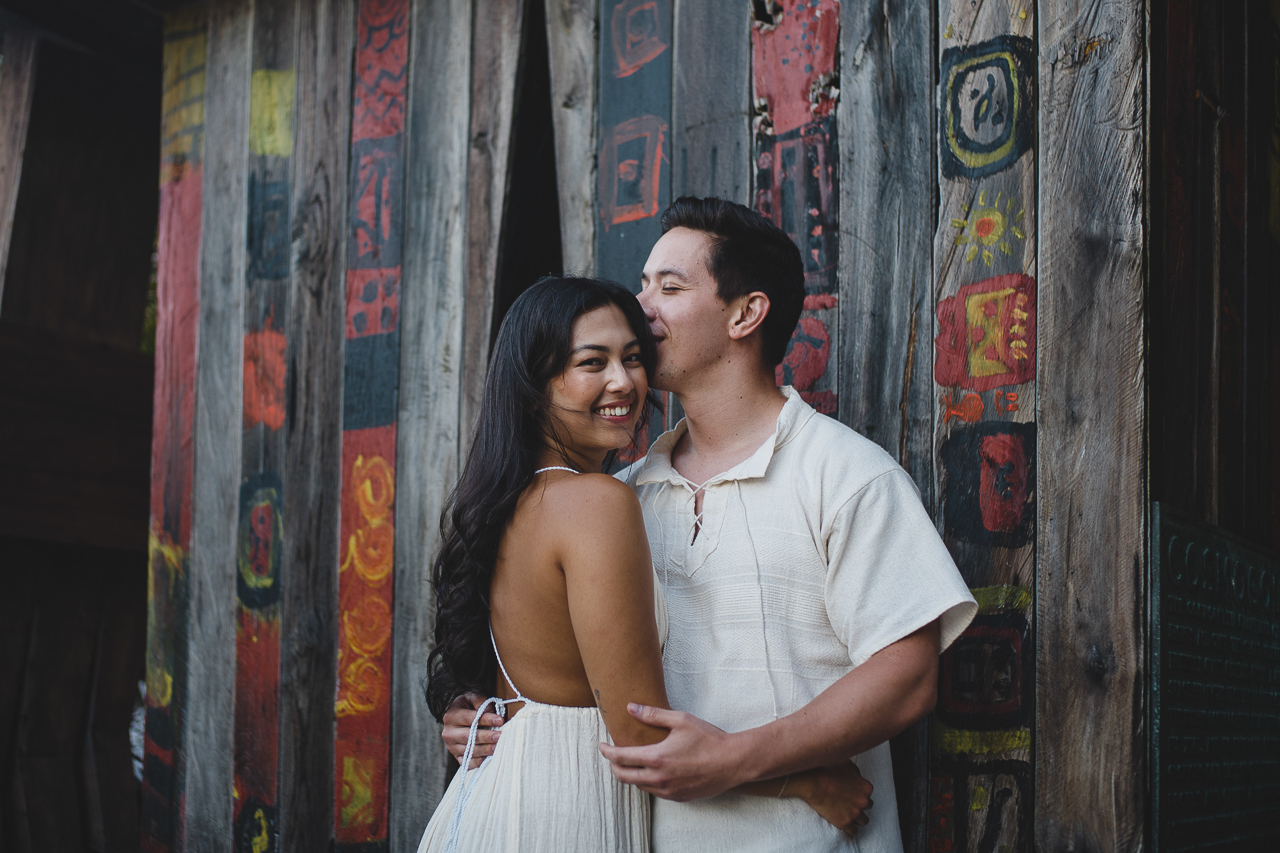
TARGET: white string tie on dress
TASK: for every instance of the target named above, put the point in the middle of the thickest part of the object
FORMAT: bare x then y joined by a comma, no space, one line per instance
500,708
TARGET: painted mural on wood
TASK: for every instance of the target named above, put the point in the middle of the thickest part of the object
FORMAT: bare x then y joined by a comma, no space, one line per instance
178,308
260,535
980,798
634,164
635,118
794,57
371,369
988,106
980,779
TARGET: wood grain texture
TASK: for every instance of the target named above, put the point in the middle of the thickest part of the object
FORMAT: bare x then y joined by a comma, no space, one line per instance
572,32
1090,610
313,425
211,673
428,435
710,102
983,354
495,54
262,503
17,82
886,123
886,131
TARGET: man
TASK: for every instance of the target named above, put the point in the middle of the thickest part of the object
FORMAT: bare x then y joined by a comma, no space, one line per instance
807,591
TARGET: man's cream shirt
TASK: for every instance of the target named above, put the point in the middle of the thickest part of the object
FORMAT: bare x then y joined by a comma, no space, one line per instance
812,555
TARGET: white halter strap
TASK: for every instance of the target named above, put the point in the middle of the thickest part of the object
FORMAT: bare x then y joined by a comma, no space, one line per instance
499,707
520,697
557,468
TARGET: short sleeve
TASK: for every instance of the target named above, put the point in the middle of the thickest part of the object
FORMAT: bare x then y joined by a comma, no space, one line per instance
888,573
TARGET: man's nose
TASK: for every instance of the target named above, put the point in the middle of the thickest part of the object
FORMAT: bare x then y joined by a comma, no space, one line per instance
643,298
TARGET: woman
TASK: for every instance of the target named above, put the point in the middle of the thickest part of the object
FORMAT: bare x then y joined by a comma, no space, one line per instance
544,585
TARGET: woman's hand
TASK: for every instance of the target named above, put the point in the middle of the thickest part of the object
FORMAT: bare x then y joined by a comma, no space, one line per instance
839,794
457,725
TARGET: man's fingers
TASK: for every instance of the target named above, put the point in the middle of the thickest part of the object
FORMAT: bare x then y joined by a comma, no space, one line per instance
459,717
659,717
625,756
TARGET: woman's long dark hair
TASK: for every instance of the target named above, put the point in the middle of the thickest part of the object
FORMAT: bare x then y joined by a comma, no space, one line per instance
532,348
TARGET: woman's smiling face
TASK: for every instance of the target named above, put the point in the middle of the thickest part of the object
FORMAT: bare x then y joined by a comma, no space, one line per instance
596,402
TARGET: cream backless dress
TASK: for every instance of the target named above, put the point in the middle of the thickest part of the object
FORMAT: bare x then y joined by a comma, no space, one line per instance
545,788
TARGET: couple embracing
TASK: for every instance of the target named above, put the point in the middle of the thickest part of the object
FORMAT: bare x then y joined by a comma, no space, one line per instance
736,624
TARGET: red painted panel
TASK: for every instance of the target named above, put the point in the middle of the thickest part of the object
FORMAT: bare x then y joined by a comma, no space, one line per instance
177,318
264,375
362,747
987,334
793,62
172,435
793,79
362,751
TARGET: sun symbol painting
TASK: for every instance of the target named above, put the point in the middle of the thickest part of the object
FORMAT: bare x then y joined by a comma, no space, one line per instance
988,228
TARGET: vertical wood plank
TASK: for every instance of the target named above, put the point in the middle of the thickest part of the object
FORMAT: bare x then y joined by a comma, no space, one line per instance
17,81
428,433
572,30
983,300
495,55
794,47
1089,571
211,667
313,424
370,384
710,106
887,180
177,314
886,127
633,177
262,502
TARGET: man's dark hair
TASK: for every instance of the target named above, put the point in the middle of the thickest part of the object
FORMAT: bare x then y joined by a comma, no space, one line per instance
747,253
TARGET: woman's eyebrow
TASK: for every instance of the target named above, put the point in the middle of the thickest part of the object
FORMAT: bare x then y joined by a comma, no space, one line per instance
596,347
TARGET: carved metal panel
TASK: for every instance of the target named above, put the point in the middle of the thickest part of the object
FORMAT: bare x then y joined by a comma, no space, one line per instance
1215,689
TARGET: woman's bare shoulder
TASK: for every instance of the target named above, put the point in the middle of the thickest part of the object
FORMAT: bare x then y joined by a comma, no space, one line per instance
590,505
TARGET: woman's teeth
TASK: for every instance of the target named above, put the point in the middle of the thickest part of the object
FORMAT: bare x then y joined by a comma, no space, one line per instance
615,411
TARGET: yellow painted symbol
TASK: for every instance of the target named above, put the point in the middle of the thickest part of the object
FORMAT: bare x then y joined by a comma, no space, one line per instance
987,226
261,841
356,807
982,313
271,112
371,548
956,741
979,798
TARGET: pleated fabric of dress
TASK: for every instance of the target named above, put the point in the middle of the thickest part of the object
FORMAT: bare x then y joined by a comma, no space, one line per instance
546,788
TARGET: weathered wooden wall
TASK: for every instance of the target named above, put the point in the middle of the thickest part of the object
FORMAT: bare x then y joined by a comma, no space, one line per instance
1091,497
981,793
428,432
283,237
337,237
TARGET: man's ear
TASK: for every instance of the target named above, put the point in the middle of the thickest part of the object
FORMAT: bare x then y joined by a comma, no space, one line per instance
748,313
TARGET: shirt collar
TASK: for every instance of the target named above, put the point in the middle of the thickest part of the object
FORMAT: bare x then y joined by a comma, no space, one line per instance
657,467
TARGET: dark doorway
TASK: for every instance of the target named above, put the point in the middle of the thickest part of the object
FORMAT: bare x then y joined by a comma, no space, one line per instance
529,245
1215,258
76,374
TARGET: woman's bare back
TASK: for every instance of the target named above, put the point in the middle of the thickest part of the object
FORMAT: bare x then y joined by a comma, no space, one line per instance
571,601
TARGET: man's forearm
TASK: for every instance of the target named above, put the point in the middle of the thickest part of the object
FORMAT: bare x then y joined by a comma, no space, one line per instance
871,704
